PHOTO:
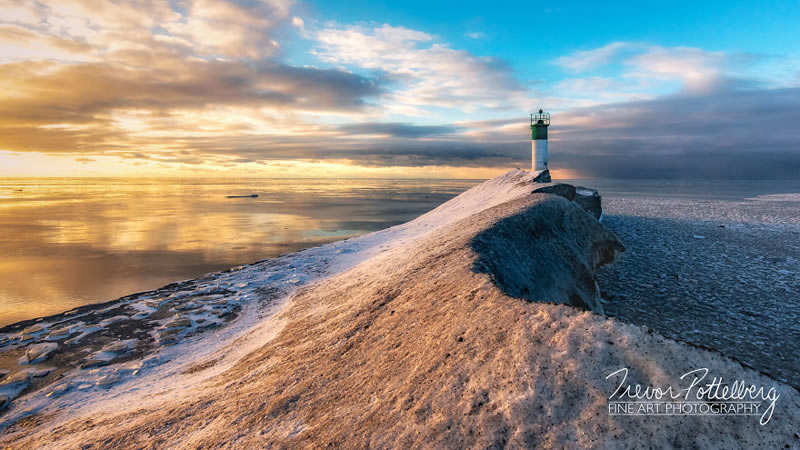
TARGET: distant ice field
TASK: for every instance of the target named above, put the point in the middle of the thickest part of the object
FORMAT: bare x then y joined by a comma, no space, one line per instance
718,272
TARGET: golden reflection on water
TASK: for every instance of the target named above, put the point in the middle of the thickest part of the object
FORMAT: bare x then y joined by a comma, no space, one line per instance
68,242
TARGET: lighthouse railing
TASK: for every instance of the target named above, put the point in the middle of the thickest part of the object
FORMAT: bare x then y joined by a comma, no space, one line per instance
543,117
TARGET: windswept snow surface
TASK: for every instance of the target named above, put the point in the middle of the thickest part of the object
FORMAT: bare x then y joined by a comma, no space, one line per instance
421,335
209,324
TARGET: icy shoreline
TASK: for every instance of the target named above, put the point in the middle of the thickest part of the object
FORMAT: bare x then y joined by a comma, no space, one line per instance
709,272
337,342
85,358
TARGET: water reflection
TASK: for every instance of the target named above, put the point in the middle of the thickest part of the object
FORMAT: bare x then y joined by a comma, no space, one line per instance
69,242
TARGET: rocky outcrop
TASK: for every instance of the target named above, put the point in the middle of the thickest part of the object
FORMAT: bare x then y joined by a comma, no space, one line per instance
542,177
549,253
589,200
562,189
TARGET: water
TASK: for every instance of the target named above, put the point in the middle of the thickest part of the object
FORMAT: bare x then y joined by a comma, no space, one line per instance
66,242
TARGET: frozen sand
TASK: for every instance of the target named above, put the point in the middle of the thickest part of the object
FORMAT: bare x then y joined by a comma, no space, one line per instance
415,345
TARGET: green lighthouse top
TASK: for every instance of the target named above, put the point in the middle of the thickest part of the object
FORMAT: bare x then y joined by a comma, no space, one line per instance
539,123
540,119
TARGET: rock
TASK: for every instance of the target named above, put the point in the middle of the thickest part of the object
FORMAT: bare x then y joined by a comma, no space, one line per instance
33,329
60,334
179,323
120,346
168,340
16,383
93,362
543,177
565,190
39,373
4,402
560,258
38,353
3,373
112,320
59,390
187,306
108,380
589,200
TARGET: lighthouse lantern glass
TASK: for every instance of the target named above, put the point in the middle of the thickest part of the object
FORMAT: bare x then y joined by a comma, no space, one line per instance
540,119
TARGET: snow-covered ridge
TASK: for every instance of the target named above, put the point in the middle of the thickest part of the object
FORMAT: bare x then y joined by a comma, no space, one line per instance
127,346
428,334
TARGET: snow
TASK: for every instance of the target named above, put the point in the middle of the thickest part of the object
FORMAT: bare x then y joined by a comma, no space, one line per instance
233,336
791,197
164,370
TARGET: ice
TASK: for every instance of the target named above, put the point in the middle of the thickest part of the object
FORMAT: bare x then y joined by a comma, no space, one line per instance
37,353
106,322
202,328
793,197
740,280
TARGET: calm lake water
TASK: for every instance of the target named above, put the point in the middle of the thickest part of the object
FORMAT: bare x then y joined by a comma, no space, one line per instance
66,242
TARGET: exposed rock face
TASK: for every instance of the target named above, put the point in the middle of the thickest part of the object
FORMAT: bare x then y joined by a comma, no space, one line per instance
548,253
564,190
543,177
589,200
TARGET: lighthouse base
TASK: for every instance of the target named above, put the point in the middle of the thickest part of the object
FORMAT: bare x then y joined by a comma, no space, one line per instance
543,177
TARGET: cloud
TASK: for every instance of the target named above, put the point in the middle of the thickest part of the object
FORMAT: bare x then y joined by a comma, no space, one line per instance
588,59
403,130
475,35
637,71
735,133
89,94
731,133
427,73
233,28
195,82
23,43
697,69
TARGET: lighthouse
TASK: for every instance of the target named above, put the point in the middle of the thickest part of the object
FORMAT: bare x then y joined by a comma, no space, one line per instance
539,124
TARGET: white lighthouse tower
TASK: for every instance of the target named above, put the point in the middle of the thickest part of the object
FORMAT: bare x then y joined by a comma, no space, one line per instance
539,124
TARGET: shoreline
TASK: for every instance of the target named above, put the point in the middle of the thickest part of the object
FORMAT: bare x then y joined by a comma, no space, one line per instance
343,300
614,294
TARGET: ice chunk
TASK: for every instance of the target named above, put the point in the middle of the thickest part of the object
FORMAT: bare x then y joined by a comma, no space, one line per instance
38,352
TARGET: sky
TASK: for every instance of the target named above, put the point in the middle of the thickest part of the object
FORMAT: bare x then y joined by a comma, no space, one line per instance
283,88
